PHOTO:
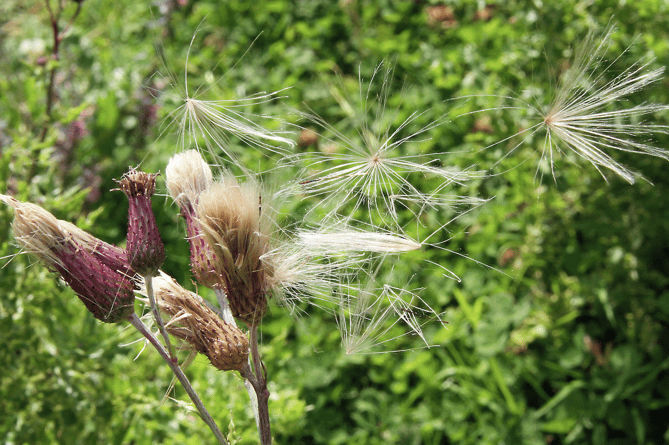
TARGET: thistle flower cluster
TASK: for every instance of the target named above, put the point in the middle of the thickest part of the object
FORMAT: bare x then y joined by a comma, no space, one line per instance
237,249
223,221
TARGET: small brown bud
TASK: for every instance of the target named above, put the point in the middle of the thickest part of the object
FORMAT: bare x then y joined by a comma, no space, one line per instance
146,251
307,138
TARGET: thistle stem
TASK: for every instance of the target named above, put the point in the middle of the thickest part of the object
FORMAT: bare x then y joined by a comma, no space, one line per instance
256,380
261,390
250,380
179,374
148,280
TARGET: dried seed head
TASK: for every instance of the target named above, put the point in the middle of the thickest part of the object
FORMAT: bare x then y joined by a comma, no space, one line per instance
106,292
146,251
236,228
190,320
186,176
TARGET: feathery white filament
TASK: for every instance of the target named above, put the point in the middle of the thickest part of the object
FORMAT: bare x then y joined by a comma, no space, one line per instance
580,116
353,240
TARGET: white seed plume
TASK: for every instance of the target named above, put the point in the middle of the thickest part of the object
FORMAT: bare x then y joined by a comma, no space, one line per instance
367,319
373,168
355,240
186,176
36,230
304,276
586,117
208,124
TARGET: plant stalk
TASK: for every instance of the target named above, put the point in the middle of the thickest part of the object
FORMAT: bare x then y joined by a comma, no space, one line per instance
261,390
148,280
256,380
179,374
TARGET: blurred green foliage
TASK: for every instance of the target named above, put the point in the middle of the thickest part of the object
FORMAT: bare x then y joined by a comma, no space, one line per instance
564,342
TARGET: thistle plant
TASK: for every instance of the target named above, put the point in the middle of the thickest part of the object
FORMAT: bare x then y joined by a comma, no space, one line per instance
360,195
103,287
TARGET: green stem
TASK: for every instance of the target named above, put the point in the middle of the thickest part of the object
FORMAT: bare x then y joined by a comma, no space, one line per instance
256,380
261,390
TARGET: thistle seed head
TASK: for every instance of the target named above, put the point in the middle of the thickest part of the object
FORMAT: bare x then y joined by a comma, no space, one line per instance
146,251
107,293
190,320
236,228
186,176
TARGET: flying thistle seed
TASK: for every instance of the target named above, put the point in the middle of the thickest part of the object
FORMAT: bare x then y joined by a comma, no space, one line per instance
190,320
186,176
349,240
209,124
380,167
146,251
580,117
588,115
235,226
106,293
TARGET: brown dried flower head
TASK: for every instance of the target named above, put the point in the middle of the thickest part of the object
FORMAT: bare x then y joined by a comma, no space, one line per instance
190,320
236,227
146,250
105,291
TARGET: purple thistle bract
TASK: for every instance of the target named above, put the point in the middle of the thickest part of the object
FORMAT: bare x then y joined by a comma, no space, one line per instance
146,251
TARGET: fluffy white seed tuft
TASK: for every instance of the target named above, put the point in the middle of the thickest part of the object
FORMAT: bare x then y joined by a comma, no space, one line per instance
186,176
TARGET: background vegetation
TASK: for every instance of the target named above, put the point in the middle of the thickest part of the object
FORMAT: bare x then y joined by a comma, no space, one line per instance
565,344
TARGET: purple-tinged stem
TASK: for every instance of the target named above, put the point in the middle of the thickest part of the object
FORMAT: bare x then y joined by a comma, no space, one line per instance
179,374
261,389
148,281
